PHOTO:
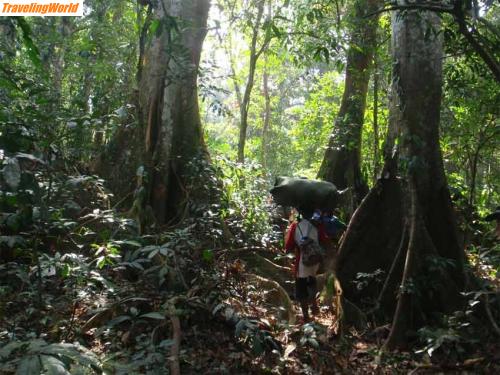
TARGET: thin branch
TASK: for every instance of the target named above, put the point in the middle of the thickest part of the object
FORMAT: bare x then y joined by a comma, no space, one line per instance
470,33
434,8
489,60
493,28
337,8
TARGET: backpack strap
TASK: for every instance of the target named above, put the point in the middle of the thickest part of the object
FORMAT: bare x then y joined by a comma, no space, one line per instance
308,232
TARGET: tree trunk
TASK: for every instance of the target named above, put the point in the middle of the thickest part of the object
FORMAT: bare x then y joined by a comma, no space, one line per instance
59,58
267,116
169,135
409,216
342,161
376,137
234,78
254,56
168,102
473,176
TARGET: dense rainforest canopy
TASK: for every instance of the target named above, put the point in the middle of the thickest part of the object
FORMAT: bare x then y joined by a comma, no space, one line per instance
139,144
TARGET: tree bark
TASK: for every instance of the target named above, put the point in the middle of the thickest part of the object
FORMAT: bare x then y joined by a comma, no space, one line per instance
267,116
255,53
168,102
237,89
376,137
168,136
342,161
410,197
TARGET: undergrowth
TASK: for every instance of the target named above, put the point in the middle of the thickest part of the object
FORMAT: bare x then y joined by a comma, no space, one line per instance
83,292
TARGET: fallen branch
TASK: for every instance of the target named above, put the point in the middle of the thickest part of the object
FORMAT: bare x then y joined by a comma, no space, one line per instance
274,265
239,251
175,367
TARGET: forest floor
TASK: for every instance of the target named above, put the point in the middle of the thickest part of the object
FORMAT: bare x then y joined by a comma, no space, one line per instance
103,298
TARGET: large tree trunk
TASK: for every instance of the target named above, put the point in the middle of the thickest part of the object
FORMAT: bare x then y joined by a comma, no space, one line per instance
405,226
342,161
169,134
168,102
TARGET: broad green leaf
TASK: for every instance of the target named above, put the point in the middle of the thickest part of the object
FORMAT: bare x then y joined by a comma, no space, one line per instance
153,315
53,366
74,352
164,251
153,253
12,173
36,345
68,350
31,48
32,158
242,324
29,366
118,320
6,350
154,27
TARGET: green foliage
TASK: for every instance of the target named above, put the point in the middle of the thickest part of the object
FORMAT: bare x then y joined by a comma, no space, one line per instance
245,205
458,332
364,279
68,92
470,125
31,48
309,335
38,356
69,258
258,339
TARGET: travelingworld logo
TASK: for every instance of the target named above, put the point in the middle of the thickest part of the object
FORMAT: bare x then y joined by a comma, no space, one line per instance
41,8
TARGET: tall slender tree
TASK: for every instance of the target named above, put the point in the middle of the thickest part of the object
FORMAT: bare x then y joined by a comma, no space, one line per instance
342,161
267,114
256,51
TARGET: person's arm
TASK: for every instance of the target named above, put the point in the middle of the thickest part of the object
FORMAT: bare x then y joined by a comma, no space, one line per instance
290,245
290,238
